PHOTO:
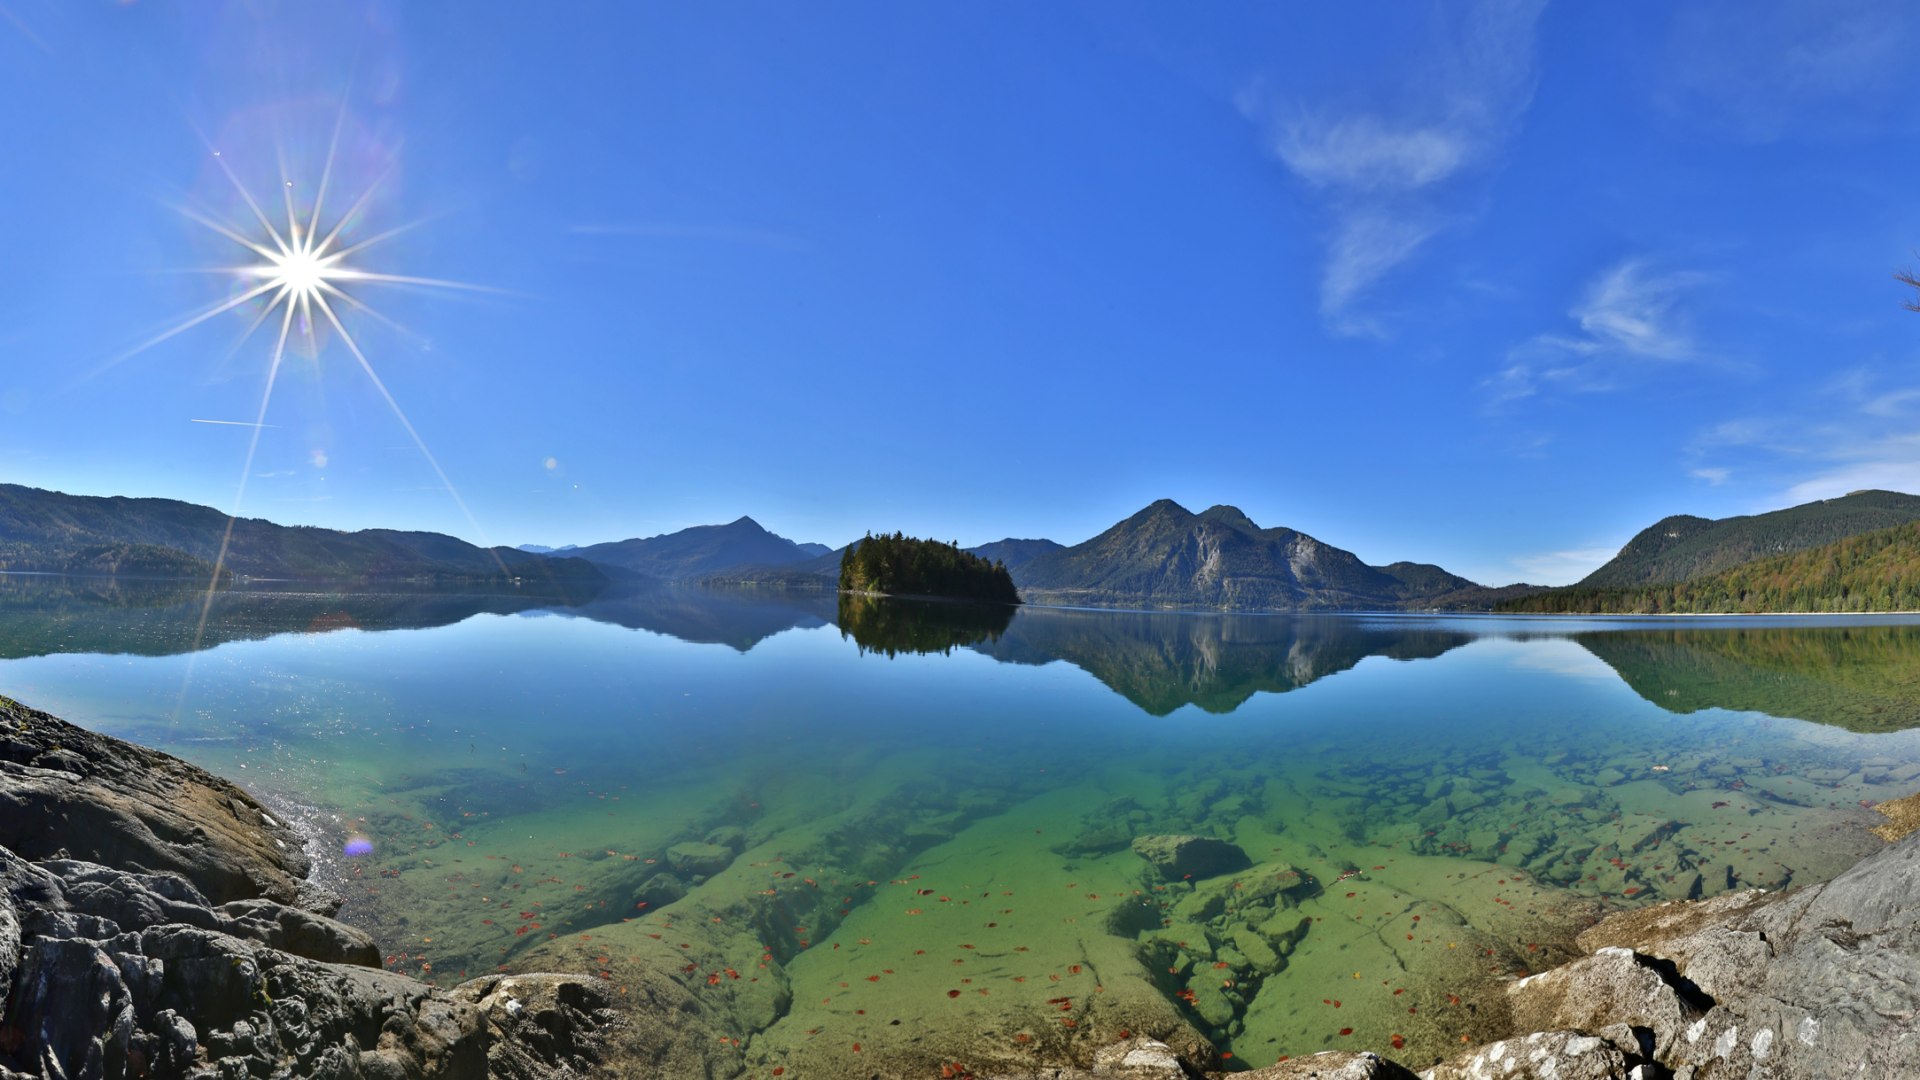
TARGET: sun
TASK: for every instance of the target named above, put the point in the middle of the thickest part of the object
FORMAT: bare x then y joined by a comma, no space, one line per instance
299,277
300,274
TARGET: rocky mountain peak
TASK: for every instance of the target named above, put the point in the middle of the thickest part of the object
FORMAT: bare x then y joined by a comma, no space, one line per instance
1229,515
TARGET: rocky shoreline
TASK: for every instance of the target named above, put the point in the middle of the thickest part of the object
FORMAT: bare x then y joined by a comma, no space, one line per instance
157,921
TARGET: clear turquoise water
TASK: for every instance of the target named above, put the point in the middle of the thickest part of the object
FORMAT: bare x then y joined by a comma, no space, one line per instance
1429,805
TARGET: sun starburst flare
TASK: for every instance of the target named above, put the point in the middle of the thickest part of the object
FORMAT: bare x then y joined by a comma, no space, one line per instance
298,276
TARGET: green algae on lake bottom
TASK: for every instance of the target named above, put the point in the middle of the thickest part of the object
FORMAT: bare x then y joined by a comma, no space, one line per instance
1014,896
931,857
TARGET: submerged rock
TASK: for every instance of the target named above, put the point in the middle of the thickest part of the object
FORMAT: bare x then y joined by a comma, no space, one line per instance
1097,839
698,859
1181,857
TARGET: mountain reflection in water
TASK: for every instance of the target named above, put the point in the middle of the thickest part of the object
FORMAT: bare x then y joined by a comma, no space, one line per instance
45,614
1862,677
1161,661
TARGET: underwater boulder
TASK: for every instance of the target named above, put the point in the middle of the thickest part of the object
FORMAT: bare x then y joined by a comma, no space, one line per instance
699,859
1184,856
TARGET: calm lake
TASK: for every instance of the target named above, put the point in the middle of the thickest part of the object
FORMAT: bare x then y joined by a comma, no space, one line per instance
855,824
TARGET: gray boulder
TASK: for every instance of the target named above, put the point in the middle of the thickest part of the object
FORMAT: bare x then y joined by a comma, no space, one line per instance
544,1025
175,1000
1546,1055
1332,1065
1136,1058
1818,984
1613,986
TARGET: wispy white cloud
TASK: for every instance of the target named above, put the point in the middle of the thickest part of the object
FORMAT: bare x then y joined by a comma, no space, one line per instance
1366,153
1860,430
1631,310
1764,70
1744,431
1365,246
1630,313
1564,657
1381,172
1713,475
1563,567
1893,403
1894,466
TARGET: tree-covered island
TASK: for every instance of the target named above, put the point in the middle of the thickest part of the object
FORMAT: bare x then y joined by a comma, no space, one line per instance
900,565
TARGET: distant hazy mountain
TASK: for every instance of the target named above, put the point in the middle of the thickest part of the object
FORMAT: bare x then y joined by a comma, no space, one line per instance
1683,547
52,531
1168,557
542,549
1014,553
818,572
702,551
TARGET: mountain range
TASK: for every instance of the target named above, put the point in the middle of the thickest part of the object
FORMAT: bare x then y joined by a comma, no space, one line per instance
1168,557
702,551
1842,554
1847,554
52,532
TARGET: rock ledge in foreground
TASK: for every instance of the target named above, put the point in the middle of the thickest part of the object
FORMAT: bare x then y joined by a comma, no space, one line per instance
1818,984
148,929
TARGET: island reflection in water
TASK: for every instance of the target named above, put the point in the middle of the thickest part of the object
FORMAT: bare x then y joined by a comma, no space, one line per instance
1862,677
644,769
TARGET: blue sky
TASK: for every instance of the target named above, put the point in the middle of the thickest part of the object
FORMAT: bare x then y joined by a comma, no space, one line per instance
1492,285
